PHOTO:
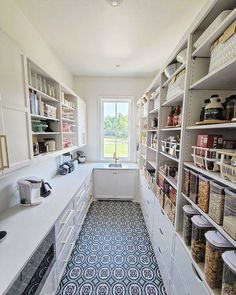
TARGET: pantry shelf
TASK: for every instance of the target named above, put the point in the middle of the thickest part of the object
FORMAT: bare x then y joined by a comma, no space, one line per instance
152,163
68,120
204,49
67,107
171,129
154,111
182,67
214,175
151,148
220,79
171,182
217,226
212,126
44,96
169,156
45,133
177,99
43,118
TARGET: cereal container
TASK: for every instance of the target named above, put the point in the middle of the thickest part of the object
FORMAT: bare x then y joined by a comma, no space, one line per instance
193,192
217,202
198,244
229,220
216,245
186,182
229,273
189,212
203,193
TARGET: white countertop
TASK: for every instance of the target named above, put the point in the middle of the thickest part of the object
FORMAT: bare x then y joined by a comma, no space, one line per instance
28,226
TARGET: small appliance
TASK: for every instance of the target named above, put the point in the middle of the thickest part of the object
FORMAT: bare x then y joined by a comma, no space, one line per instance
81,158
29,189
45,189
3,234
66,168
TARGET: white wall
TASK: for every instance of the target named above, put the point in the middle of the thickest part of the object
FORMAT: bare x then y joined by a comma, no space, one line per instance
91,89
14,23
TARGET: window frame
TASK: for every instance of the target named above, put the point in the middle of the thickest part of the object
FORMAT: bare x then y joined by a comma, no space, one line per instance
116,100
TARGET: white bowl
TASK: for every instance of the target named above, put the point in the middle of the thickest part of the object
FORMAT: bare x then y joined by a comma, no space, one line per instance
169,70
182,56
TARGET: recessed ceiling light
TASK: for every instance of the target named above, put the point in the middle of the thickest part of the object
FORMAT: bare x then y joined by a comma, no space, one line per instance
114,3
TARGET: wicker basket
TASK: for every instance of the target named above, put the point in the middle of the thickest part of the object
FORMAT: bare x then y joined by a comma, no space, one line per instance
206,158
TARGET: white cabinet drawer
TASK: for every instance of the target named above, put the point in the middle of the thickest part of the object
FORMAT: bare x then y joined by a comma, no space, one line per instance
163,248
164,274
186,268
50,286
177,283
63,220
66,238
62,262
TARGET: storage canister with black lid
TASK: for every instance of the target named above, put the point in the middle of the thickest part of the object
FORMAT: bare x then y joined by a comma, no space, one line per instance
198,244
189,212
229,273
216,245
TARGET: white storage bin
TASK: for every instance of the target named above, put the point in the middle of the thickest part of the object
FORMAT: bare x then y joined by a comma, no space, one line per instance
176,86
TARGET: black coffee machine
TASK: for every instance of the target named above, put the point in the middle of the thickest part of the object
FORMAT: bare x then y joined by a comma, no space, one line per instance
45,189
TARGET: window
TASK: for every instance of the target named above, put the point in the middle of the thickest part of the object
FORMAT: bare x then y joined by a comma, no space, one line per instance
116,123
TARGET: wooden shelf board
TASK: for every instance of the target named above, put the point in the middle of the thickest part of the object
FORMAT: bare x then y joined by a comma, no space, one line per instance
214,175
182,67
212,126
219,79
174,100
217,226
45,96
169,156
171,182
43,118
204,49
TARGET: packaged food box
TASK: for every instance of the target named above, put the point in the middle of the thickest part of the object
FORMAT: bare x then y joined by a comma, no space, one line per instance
210,141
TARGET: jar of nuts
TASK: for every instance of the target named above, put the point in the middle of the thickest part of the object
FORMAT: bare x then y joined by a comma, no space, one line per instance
216,245
229,273
189,212
198,244
203,193
193,191
186,182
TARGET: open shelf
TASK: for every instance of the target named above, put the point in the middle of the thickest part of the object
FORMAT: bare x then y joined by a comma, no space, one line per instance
219,79
67,107
43,118
152,163
214,175
171,182
182,67
171,129
213,126
169,157
151,148
45,133
154,111
68,120
174,100
44,96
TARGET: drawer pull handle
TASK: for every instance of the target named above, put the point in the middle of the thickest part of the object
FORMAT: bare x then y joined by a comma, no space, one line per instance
161,231
163,212
69,254
159,249
68,236
66,216
196,273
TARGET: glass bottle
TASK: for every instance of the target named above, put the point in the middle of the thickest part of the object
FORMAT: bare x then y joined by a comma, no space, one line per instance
202,113
214,109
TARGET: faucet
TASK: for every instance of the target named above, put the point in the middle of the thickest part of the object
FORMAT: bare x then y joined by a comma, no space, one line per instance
115,157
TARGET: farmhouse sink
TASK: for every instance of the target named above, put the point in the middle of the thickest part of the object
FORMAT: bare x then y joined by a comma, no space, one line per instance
113,165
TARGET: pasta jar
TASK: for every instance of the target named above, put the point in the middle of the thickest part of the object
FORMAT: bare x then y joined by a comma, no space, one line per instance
186,182
229,273
217,202
189,212
198,243
216,245
193,191
203,193
229,220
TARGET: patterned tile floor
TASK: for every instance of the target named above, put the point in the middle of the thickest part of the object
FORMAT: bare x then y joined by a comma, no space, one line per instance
113,254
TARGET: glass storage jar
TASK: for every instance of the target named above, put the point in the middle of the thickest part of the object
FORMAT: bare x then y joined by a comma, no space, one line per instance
229,273
216,245
217,202
186,182
203,193
189,212
198,244
229,220
193,191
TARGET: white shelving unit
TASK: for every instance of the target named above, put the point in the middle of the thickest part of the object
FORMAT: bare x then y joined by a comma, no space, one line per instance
198,85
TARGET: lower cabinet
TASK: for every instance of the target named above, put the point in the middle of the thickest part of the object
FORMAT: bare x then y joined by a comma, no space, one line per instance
50,286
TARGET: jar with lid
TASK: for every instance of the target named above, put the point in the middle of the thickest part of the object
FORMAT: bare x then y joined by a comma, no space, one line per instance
154,123
176,115
216,202
189,212
203,193
186,182
229,220
216,245
229,273
214,109
198,244
202,113
193,191
230,108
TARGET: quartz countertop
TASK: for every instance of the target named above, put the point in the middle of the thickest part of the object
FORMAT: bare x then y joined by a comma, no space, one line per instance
28,226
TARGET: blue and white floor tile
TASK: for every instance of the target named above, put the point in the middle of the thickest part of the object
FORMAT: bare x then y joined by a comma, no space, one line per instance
113,254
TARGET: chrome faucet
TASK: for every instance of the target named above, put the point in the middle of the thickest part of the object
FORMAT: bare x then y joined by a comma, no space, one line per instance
115,157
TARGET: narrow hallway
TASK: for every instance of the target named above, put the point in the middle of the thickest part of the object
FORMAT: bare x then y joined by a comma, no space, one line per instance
113,254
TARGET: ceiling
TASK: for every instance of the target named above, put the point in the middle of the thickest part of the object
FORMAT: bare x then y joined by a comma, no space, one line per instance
91,37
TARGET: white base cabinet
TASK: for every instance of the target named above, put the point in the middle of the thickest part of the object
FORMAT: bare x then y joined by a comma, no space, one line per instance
50,286
115,184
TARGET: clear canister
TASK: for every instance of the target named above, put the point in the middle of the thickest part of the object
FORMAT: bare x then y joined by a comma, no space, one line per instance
198,243
229,273
216,245
193,191
189,212
186,182
203,193
217,202
229,221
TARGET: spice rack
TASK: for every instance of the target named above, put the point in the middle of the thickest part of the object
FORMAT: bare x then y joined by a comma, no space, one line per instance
198,86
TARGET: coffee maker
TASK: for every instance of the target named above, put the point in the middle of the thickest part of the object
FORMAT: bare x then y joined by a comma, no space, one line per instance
29,189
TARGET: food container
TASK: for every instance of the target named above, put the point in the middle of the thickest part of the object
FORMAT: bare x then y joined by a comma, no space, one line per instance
229,273
214,109
161,181
210,141
172,195
227,164
217,202
229,221
206,158
193,191
176,85
189,212
203,193
162,198
50,111
186,182
169,70
51,144
198,244
182,56
216,245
